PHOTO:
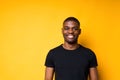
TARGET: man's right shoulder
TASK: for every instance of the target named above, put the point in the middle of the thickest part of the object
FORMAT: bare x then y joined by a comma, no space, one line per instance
57,48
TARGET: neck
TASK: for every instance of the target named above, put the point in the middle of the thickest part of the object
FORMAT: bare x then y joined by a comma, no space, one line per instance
70,46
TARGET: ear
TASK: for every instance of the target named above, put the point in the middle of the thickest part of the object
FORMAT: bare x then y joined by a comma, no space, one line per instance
62,30
79,31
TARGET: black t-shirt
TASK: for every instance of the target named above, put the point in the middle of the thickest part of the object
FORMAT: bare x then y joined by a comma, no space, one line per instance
71,64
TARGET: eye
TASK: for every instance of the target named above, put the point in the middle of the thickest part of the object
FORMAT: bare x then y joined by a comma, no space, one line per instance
75,28
66,28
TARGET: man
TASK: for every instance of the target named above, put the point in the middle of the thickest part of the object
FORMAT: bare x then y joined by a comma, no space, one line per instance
70,60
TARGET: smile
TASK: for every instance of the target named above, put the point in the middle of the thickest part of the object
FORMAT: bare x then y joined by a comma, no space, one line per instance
70,36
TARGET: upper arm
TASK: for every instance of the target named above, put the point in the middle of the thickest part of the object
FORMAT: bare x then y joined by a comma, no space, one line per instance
49,72
93,73
49,63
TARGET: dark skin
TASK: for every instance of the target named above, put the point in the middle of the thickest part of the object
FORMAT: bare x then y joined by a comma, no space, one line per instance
71,31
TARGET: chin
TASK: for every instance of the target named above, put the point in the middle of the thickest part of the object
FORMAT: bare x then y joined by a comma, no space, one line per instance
71,42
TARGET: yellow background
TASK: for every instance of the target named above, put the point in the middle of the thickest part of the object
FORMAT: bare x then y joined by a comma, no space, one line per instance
29,29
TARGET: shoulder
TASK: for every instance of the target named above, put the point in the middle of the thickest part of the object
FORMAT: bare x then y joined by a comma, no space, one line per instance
90,55
87,51
55,50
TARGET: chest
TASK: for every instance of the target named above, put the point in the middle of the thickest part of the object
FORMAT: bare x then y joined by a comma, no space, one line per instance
71,60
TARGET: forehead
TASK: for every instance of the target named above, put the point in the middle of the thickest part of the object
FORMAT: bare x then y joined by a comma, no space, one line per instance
70,23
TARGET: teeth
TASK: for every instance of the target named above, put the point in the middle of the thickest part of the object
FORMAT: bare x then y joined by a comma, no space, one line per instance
70,36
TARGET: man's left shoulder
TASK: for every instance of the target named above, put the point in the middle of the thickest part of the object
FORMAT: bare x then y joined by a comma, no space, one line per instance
87,50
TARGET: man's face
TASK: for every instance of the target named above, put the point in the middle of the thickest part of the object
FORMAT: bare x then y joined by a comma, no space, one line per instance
71,31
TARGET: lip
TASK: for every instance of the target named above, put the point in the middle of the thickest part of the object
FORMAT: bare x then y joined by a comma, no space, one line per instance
70,36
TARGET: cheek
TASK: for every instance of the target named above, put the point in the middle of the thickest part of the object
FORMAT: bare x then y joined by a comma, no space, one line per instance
64,32
76,33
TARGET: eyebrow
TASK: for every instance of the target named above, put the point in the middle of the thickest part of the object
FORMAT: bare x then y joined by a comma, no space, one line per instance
73,26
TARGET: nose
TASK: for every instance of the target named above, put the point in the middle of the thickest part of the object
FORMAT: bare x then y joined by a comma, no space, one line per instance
70,31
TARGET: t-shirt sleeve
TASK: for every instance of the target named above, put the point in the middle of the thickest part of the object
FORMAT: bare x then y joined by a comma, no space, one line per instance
49,60
93,60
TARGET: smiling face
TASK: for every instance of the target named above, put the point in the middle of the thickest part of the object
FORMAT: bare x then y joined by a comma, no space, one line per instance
71,30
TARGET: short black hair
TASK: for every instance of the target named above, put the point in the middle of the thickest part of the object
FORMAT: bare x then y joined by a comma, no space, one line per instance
72,19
